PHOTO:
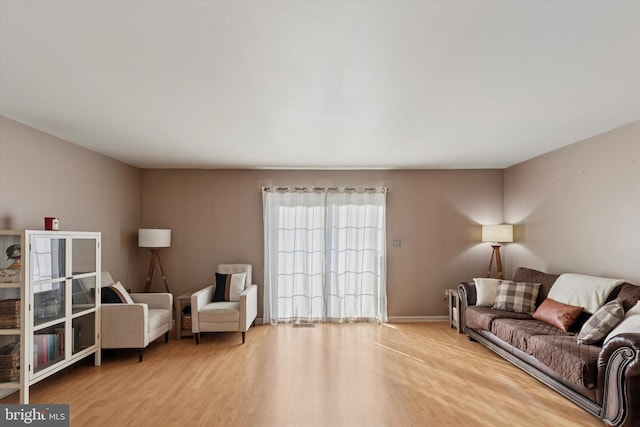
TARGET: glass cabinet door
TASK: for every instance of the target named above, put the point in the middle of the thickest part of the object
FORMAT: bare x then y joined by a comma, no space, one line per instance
83,294
64,280
48,302
83,328
83,255
48,261
48,258
49,346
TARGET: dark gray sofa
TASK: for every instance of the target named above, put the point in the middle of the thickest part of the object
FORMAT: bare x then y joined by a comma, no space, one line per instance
605,381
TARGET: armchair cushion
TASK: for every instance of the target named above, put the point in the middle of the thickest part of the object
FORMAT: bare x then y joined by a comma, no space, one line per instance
221,311
158,317
229,286
161,300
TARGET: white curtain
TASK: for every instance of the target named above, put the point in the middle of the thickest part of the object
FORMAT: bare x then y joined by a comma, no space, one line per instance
294,256
356,274
324,255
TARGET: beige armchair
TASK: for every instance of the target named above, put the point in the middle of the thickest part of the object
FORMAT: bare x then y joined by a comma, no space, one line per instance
135,324
225,316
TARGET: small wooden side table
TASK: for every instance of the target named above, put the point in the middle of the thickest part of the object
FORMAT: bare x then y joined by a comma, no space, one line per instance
182,301
453,302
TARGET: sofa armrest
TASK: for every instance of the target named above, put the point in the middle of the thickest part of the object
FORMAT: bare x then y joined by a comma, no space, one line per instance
248,306
619,380
467,293
154,300
198,300
467,297
124,325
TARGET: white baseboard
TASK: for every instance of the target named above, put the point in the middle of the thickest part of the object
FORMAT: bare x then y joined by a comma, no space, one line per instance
397,319
416,319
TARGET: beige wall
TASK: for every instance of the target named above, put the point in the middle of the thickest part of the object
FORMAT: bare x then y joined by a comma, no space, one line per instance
576,209
41,175
579,207
216,217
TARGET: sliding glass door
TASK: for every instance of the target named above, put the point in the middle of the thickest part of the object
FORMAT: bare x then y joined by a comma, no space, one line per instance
324,255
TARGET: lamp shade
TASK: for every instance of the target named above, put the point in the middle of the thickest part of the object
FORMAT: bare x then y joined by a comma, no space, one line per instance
154,238
501,233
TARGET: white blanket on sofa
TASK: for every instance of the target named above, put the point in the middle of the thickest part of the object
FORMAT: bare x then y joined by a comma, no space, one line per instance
588,292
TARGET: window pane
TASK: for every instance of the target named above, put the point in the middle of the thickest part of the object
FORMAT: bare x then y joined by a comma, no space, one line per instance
48,258
83,328
48,299
83,295
84,255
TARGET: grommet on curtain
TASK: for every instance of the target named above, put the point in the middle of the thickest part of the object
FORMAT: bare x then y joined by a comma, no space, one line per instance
320,189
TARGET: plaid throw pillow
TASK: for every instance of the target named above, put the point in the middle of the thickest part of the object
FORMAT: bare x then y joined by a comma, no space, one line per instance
517,297
601,323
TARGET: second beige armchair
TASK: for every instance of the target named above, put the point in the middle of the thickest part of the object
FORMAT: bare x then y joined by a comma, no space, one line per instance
236,313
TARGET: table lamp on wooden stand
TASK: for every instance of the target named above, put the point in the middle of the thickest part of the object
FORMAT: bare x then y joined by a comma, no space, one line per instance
496,234
154,238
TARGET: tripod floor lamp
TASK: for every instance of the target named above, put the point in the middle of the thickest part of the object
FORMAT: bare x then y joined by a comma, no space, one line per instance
496,234
154,238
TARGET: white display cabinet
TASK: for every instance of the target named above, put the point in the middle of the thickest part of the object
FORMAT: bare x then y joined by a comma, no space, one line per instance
58,289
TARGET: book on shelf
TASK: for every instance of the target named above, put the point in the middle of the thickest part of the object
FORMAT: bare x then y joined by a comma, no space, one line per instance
60,333
48,348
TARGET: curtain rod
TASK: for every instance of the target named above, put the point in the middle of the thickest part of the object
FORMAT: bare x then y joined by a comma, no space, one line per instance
320,189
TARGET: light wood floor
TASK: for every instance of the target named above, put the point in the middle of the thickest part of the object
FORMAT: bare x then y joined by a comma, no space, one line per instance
332,375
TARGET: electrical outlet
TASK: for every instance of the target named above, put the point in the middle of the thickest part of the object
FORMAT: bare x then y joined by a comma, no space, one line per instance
397,243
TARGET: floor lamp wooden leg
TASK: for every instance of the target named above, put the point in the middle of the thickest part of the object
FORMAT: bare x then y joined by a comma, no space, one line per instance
155,256
496,253
166,286
490,263
152,264
498,261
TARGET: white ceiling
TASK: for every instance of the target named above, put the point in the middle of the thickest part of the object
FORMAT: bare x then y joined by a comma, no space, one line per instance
321,84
